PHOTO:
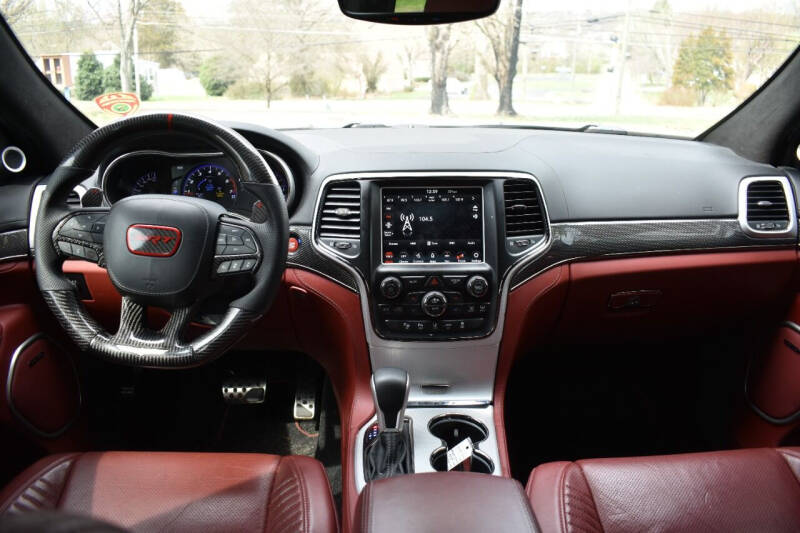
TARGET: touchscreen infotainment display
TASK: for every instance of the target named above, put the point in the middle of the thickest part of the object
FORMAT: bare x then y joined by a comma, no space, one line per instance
426,225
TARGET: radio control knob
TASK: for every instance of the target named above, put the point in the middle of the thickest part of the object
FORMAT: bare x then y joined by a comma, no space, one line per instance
434,304
391,287
477,286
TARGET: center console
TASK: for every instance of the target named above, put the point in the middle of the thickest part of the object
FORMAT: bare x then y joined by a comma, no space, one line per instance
431,254
459,501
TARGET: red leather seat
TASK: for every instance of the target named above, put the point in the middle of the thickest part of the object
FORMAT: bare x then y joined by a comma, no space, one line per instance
741,490
143,491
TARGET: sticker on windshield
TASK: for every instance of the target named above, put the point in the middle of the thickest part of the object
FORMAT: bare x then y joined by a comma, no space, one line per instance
120,104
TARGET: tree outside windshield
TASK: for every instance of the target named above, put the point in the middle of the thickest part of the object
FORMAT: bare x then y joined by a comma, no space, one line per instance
662,66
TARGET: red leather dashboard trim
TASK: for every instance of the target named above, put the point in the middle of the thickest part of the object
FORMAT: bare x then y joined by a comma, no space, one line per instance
330,328
531,312
697,291
753,431
18,322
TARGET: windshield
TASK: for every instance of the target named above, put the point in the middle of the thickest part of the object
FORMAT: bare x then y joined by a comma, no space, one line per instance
662,66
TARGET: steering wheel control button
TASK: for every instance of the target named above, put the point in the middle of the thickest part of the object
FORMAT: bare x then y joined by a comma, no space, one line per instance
234,240
391,288
236,250
249,242
477,286
85,228
239,244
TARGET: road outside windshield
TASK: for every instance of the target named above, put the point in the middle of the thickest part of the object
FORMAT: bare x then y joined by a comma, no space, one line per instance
662,66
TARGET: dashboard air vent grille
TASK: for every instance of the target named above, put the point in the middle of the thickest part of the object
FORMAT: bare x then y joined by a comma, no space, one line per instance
341,211
766,201
523,209
74,199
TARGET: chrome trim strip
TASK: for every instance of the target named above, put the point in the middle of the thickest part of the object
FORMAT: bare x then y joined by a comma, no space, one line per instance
22,164
792,325
791,207
36,200
12,258
9,385
452,403
467,366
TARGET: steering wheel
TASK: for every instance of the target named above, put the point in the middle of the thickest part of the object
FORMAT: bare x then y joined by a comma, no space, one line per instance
162,250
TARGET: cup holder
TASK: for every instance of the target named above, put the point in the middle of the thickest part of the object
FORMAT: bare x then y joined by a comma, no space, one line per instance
451,429
480,462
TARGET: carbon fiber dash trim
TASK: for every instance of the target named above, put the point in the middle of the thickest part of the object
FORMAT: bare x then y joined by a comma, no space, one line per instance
592,240
308,258
13,244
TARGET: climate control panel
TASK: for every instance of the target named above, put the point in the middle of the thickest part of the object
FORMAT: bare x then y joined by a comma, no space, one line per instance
443,304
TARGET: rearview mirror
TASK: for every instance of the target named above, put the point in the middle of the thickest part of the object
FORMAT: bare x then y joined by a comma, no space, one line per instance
418,11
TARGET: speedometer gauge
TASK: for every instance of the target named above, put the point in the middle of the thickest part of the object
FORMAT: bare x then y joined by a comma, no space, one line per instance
211,182
146,183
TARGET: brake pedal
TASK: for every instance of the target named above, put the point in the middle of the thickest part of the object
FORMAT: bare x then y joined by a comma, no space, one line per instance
305,398
245,391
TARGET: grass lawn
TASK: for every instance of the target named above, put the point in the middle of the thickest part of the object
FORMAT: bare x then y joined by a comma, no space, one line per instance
409,6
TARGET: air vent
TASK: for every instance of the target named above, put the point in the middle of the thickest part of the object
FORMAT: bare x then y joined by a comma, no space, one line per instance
523,212
74,199
766,201
340,217
766,206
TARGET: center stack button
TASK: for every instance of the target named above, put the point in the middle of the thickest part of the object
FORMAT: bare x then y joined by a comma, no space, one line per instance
434,304
391,287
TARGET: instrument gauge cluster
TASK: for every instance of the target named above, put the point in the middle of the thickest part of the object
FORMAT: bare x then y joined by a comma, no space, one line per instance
210,176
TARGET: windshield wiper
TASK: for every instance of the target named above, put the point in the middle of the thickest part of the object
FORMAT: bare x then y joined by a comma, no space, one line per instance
364,125
595,128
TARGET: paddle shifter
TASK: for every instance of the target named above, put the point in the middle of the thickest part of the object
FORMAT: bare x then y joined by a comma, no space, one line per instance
389,453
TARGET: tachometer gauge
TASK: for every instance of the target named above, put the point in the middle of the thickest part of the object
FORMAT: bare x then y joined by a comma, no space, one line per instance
146,183
211,182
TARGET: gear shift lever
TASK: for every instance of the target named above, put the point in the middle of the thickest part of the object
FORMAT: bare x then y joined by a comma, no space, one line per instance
390,453
390,393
